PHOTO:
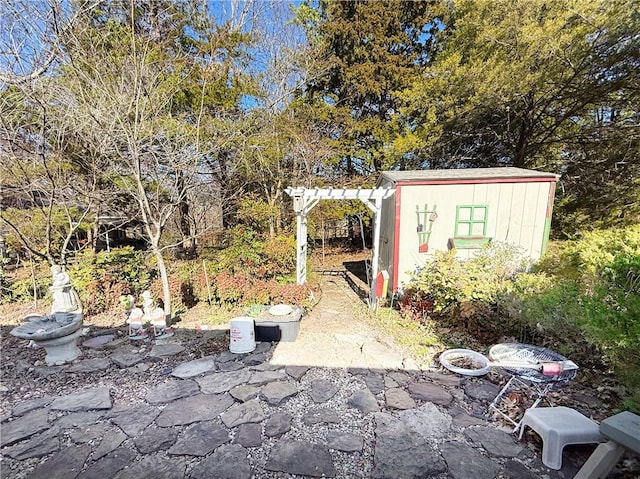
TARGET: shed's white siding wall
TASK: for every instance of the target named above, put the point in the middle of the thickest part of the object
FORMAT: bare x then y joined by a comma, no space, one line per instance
516,214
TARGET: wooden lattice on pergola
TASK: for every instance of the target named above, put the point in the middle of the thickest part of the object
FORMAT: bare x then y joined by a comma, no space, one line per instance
304,199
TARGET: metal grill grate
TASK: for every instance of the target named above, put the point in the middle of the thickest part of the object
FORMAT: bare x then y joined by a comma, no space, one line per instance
533,355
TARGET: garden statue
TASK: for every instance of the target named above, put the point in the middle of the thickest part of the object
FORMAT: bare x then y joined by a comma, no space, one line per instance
127,301
136,324
65,297
58,331
148,314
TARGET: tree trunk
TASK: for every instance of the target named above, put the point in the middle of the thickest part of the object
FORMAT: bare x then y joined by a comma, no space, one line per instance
524,134
92,235
164,278
188,244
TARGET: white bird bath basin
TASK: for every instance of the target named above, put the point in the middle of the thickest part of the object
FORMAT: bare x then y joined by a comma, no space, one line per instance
58,332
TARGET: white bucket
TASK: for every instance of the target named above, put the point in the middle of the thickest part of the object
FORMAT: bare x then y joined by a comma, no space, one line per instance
242,337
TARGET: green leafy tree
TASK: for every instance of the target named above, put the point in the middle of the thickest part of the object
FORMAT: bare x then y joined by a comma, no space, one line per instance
125,114
282,144
373,52
49,182
49,195
542,85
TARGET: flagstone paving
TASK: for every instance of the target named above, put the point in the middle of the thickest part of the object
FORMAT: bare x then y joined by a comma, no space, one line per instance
338,402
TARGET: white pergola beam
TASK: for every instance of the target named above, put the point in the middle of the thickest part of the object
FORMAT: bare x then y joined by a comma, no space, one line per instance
340,193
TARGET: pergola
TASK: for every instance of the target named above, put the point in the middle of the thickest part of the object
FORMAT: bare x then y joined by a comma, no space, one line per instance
304,199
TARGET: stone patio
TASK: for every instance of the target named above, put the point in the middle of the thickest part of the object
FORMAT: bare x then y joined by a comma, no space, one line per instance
338,402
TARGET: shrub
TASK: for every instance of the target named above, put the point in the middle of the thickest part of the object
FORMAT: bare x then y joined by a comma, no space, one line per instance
240,290
415,304
202,276
448,282
256,212
547,311
623,273
279,255
248,254
603,297
230,288
23,289
181,292
101,278
298,294
546,303
599,248
241,253
587,259
612,320
247,270
588,302
259,291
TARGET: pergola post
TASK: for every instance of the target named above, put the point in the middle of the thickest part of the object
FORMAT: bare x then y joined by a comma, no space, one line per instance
301,205
301,248
375,207
305,199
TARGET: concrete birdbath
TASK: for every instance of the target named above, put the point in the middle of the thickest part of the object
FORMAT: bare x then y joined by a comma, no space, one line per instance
58,332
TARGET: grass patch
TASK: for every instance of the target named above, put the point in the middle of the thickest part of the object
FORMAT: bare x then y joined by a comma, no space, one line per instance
421,340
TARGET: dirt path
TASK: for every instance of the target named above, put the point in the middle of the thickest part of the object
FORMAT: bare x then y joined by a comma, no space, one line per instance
331,335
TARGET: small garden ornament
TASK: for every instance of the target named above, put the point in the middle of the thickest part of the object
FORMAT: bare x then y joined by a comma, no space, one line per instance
136,324
148,314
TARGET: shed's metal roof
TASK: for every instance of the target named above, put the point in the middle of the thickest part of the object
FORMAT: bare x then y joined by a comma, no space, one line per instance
463,174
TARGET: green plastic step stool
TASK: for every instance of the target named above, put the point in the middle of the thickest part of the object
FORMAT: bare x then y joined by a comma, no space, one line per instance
623,432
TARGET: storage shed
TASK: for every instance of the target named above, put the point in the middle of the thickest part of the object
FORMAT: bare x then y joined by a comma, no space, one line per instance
463,209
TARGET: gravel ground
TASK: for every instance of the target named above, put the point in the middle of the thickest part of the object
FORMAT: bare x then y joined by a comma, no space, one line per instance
24,376
348,465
